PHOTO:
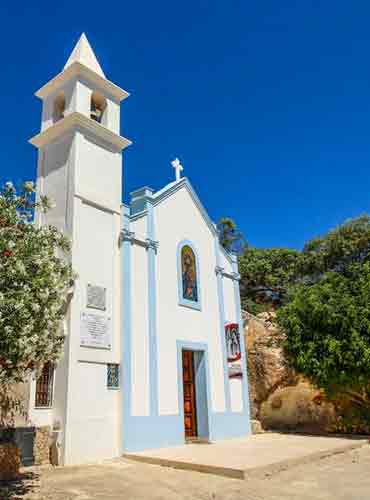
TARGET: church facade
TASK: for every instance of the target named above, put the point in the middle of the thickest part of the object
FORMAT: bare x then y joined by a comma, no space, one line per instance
154,353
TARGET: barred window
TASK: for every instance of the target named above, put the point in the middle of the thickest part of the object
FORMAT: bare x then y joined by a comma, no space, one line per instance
44,386
113,376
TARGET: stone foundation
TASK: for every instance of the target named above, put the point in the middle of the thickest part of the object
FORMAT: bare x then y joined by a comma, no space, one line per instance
41,447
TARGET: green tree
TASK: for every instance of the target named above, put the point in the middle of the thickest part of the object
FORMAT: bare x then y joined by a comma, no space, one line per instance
266,275
230,237
341,247
34,282
327,326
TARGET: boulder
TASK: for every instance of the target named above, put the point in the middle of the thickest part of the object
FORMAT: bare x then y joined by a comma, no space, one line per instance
280,399
267,366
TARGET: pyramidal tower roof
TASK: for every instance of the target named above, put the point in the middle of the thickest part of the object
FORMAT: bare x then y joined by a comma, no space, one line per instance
83,53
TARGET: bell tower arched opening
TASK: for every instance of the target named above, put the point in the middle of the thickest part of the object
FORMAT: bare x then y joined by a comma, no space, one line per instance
98,105
59,107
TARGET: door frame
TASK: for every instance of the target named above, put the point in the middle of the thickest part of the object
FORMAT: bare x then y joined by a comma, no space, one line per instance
202,387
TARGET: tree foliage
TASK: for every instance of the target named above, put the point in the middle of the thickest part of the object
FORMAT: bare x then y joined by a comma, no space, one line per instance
322,295
34,282
230,237
266,275
328,329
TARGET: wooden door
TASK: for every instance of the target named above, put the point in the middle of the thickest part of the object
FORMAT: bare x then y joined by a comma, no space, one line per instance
190,415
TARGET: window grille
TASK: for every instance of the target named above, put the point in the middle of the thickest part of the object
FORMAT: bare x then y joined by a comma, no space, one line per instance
44,386
113,376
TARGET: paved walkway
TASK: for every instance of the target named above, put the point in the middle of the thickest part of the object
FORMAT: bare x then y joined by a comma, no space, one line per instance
257,454
339,477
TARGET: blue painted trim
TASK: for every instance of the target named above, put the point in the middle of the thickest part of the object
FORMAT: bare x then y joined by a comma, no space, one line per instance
168,430
126,328
139,199
173,187
221,309
182,301
152,312
143,191
239,319
203,410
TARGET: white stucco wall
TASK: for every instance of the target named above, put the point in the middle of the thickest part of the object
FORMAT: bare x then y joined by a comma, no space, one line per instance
225,262
236,395
228,289
92,408
84,179
177,218
140,397
138,226
98,177
53,168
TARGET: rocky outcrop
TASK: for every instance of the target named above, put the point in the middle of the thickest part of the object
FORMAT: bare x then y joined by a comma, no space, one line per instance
280,399
267,367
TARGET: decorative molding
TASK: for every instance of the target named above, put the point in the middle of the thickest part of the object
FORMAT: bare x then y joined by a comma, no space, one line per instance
220,271
90,199
84,124
153,244
77,69
173,188
126,235
235,276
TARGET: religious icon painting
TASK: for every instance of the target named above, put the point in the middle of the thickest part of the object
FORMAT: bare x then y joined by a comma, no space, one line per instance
232,337
189,274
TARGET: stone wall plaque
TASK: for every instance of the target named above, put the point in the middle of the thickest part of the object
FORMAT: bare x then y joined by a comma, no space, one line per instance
95,330
96,297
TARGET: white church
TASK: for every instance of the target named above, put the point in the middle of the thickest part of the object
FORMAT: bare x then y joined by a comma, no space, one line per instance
154,353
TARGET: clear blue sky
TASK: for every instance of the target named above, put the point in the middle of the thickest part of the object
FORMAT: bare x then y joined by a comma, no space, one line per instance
266,103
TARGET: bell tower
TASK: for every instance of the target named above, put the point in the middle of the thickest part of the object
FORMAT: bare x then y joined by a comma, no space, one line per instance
80,169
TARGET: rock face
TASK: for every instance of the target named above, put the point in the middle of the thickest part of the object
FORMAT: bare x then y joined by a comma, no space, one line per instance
280,399
267,367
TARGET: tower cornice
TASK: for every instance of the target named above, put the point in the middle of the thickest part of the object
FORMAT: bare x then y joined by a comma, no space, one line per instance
76,70
82,123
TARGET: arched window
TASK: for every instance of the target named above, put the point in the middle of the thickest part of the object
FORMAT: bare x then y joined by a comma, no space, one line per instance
97,106
59,107
189,292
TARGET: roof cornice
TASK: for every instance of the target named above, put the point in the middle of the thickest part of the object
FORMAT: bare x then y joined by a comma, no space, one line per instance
171,189
77,69
81,122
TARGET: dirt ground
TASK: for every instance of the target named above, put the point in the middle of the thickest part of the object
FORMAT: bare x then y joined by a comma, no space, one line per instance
340,477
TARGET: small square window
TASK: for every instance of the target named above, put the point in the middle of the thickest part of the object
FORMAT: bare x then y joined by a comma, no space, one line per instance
113,376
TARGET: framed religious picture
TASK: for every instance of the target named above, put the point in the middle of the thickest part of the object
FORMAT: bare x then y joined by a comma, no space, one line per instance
189,274
233,349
